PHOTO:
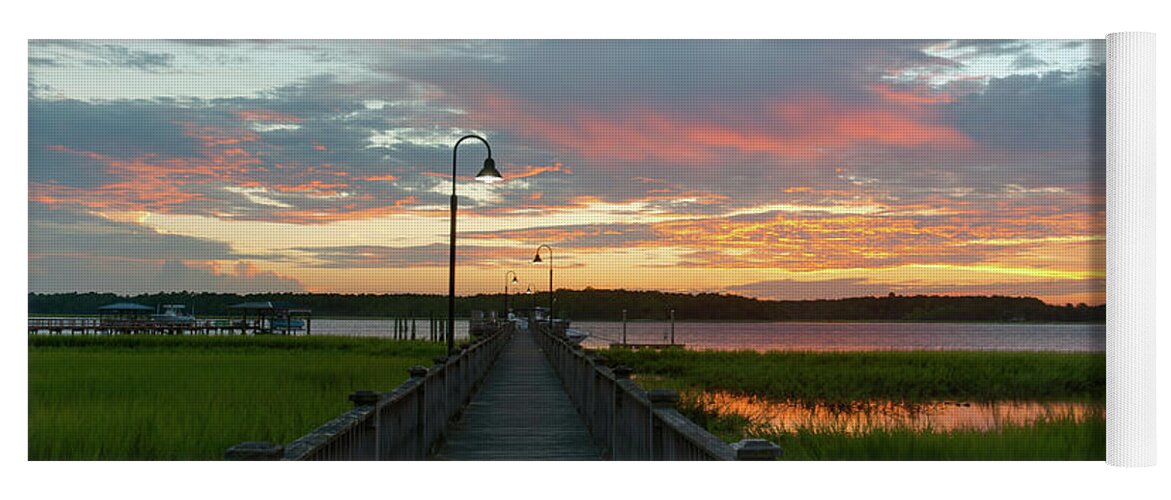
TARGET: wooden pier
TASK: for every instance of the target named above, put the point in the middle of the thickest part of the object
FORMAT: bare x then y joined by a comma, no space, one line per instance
512,395
520,413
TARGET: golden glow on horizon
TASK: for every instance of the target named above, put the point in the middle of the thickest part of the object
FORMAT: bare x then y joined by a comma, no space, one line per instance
685,252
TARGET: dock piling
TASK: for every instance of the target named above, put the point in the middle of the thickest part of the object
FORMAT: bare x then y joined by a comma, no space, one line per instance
672,327
624,327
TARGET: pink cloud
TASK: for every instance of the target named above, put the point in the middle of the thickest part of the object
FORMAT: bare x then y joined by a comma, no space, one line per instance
800,127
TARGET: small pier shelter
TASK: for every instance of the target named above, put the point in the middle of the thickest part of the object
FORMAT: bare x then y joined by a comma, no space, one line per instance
274,317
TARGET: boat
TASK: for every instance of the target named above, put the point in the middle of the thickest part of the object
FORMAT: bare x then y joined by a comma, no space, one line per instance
286,323
576,335
521,323
172,313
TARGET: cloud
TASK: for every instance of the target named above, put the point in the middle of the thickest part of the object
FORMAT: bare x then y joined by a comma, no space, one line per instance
585,236
1057,111
772,155
76,251
100,54
802,127
435,255
49,274
66,232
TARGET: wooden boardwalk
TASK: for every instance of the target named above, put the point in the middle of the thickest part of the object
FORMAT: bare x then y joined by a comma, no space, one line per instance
521,412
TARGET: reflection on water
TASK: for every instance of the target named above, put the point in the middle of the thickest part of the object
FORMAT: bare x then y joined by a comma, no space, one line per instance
380,328
789,416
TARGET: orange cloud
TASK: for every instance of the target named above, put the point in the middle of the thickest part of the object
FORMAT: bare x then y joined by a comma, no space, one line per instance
530,171
343,212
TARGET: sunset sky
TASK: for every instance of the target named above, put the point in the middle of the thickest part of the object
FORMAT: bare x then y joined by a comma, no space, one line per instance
773,169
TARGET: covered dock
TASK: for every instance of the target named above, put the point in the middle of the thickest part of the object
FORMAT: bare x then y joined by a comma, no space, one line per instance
270,317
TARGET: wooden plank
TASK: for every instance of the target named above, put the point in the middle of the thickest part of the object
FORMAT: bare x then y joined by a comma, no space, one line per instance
521,412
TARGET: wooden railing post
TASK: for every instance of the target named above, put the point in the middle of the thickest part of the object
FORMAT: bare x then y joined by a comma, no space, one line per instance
660,399
364,398
362,448
756,449
417,373
621,372
255,450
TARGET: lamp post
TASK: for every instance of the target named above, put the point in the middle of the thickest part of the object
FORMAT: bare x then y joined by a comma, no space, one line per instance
487,174
506,282
537,260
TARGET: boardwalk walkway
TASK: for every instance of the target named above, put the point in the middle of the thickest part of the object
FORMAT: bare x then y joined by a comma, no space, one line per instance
521,412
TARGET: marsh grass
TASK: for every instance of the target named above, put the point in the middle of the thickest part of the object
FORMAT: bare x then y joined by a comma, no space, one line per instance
1052,437
846,377
189,398
843,379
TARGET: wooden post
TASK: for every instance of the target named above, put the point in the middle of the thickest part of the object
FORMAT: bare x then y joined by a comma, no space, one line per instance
672,327
417,373
413,328
364,398
756,449
624,327
660,398
621,372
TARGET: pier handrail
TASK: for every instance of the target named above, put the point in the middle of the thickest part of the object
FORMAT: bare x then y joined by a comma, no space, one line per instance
630,422
403,424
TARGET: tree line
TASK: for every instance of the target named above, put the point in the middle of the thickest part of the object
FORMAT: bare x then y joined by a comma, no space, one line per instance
607,305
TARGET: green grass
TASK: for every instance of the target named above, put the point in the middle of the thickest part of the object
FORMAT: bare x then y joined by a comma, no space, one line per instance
910,376
189,398
1047,439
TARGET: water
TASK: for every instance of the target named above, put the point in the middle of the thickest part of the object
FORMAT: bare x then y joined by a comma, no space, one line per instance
857,417
798,336
858,336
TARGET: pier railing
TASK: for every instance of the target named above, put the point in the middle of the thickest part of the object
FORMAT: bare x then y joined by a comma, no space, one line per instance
630,422
403,424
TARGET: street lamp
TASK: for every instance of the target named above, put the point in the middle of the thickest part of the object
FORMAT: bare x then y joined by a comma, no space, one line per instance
537,260
487,174
506,282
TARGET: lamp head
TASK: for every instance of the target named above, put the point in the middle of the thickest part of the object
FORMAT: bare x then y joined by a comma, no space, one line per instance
537,259
514,279
489,173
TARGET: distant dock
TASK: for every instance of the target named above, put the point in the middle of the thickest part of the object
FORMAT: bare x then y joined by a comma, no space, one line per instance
107,326
637,346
